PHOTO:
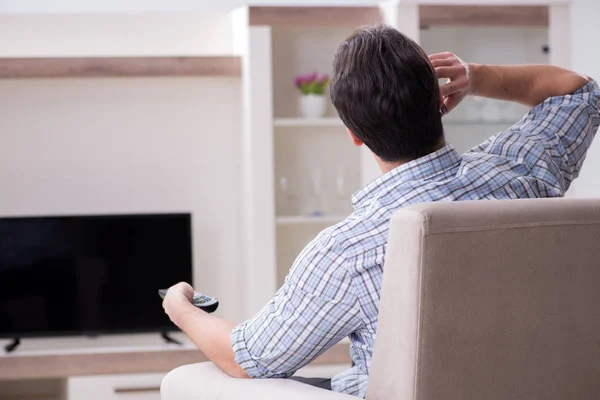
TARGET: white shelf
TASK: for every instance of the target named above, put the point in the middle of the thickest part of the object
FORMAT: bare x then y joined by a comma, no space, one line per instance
304,122
307,220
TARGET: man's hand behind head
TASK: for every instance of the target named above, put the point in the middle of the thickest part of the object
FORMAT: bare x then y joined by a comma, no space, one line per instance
449,66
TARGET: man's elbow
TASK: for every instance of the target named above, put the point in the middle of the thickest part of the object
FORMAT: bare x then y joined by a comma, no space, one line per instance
241,375
235,371
574,81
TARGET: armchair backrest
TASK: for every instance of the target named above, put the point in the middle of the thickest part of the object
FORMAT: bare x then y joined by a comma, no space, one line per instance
490,300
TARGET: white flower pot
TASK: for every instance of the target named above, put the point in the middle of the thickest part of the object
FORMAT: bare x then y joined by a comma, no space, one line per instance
313,106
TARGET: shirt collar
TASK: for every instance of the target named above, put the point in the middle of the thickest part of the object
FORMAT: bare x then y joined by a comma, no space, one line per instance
421,168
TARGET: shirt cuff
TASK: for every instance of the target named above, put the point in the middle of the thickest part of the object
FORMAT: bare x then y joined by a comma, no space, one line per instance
245,359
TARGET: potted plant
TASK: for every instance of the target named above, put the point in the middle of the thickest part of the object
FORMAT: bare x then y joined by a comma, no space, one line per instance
313,103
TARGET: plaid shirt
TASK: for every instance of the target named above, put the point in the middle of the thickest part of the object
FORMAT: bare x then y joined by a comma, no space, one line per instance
332,290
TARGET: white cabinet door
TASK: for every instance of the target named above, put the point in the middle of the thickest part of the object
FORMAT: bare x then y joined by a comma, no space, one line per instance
115,387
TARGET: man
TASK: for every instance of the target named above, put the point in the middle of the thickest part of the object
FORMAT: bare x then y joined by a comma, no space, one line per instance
386,92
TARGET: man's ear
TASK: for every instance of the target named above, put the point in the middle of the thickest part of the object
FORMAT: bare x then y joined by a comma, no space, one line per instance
355,140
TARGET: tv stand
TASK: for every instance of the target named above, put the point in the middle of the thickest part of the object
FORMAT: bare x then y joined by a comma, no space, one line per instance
169,339
9,348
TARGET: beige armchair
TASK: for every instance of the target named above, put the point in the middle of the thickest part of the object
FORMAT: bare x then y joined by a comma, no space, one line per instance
480,300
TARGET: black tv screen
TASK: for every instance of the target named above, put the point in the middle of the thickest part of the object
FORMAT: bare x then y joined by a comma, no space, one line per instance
90,275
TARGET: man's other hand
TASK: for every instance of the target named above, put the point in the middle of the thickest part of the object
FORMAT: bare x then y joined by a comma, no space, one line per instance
449,66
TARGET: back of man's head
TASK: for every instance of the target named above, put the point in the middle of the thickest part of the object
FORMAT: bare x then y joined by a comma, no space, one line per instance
386,93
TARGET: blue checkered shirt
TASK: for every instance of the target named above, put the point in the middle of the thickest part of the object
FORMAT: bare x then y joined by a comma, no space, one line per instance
332,290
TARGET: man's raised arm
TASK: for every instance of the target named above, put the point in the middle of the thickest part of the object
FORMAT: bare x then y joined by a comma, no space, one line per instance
562,123
525,84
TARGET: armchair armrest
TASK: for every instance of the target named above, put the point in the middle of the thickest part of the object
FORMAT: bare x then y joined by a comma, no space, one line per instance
205,381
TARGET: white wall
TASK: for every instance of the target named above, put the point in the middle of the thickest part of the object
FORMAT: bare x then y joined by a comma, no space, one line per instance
147,34
586,59
71,146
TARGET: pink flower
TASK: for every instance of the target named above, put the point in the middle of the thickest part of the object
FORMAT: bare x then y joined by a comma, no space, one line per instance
313,83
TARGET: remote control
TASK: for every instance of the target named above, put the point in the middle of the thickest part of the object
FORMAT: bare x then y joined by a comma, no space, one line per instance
202,301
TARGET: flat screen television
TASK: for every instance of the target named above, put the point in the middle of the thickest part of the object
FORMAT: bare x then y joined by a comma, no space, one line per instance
90,275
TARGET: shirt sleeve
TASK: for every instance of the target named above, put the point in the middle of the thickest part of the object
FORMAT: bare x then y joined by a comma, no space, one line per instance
314,309
552,140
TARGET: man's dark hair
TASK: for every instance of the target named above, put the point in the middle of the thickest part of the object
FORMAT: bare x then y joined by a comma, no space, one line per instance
386,92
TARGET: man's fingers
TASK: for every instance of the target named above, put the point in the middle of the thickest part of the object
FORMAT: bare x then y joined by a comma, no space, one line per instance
454,86
448,66
442,62
438,56
452,72
449,88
